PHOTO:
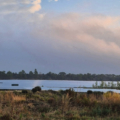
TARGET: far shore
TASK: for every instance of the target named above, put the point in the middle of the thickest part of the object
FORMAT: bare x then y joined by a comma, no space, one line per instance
61,80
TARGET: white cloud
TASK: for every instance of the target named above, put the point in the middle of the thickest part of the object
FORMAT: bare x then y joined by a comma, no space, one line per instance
22,6
36,6
96,33
52,0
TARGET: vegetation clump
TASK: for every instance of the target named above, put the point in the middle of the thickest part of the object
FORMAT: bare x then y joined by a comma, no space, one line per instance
108,85
89,92
6,117
71,92
37,88
24,91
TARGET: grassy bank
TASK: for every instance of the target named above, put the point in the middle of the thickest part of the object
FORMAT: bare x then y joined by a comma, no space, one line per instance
61,105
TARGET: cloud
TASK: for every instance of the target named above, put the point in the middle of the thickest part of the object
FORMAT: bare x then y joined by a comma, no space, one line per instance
71,41
71,37
13,2
92,31
53,0
22,6
36,6
98,34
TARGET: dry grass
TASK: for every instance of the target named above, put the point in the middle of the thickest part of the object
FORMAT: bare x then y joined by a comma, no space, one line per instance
111,98
19,98
11,97
65,102
54,106
6,96
105,98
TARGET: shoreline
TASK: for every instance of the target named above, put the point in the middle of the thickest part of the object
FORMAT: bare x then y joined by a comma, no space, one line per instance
60,80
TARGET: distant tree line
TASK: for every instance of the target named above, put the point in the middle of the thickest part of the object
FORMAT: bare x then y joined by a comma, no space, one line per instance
60,76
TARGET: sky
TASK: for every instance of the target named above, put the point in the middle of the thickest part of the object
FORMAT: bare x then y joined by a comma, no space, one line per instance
74,36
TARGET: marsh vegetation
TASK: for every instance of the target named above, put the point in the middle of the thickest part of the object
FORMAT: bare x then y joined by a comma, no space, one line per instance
108,85
59,105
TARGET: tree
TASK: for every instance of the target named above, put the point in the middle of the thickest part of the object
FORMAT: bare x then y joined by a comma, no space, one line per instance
9,75
112,85
35,73
109,84
96,84
2,75
49,75
22,74
102,84
31,75
62,75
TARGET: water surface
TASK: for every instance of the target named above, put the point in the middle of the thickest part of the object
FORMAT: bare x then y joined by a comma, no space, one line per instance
52,84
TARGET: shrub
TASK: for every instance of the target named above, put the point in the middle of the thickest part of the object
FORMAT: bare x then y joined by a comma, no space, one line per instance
15,92
72,116
100,111
52,91
36,89
97,93
44,108
110,92
6,117
29,95
89,92
24,91
85,101
71,92
51,100
62,91
69,116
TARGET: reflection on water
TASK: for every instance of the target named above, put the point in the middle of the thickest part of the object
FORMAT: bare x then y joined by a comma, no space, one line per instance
51,84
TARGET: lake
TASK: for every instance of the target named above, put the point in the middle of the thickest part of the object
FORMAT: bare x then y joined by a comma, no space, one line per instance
52,84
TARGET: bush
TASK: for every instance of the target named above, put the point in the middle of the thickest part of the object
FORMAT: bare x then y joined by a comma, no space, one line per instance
62,91
6,117
98,93
51,100
15,92
29,95
37,88
52,91
89,92
100,111
110,92
44,108
85,101
24,91
72,116
71,92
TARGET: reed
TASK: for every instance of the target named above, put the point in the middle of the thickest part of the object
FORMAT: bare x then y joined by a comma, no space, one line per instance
65,102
